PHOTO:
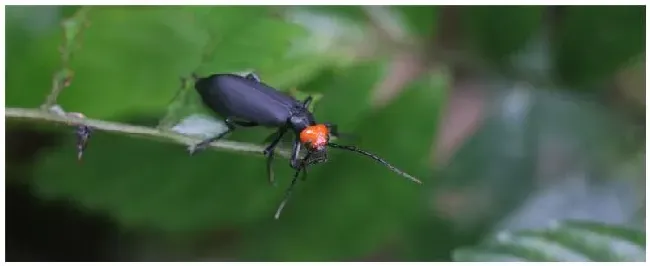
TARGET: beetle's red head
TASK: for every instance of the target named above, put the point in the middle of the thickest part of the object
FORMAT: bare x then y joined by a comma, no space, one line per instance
316,136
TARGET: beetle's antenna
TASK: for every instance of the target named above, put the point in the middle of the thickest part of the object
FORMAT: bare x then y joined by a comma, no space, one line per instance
376,158
293,183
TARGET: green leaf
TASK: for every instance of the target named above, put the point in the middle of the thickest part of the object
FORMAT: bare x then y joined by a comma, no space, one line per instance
291,71
257,42
301,96
346,92
33,55
148,184
131,59
568,241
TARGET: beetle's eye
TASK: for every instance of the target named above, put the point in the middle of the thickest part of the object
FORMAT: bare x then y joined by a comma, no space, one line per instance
318,147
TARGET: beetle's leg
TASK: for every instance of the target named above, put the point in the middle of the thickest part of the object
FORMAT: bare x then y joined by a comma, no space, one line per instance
307,101
244,123
287,195
269,152
253,76
304,174
295,161
278,136
231,124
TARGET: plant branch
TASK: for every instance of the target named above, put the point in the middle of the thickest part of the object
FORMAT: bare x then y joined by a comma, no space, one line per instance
131,130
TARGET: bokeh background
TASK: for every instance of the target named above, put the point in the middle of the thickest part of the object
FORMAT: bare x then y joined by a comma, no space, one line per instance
513,117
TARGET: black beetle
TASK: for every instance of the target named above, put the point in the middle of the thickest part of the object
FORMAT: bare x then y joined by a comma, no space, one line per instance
245,101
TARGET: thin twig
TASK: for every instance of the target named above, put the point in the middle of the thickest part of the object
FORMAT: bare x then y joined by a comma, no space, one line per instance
131,130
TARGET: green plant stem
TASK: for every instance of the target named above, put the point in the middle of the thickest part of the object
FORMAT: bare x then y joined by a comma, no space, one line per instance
132,130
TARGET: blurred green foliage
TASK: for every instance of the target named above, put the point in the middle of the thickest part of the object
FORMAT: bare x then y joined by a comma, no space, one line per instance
497,32
128,67
593,42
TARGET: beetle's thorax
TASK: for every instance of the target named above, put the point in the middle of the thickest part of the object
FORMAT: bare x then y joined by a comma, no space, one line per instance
314,135
301,119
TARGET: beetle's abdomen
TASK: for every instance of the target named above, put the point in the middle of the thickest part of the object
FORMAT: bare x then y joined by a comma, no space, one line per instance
248,100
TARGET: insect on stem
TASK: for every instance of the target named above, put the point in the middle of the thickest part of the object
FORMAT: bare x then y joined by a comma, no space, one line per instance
245,101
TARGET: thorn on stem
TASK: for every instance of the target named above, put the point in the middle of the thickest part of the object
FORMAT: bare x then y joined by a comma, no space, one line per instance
83,134
68,78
